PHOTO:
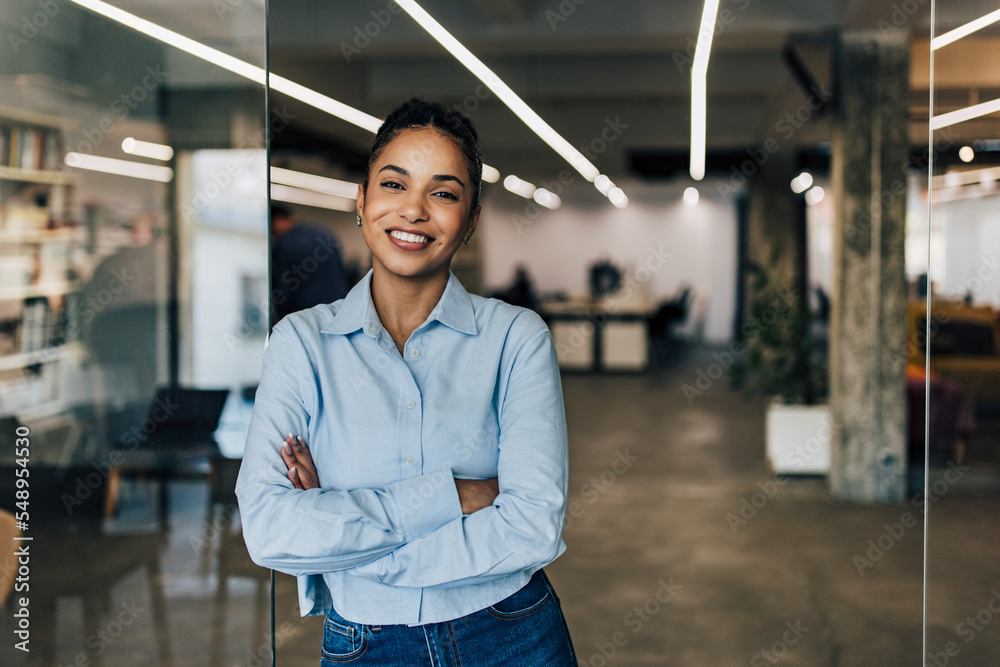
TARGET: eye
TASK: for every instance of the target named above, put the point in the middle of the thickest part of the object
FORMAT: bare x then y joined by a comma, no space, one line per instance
391,184
444,194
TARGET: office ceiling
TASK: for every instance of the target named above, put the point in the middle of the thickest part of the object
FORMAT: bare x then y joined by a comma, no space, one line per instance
584,66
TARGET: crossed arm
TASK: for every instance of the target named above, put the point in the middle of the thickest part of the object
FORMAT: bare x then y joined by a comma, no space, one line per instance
428,530
474,494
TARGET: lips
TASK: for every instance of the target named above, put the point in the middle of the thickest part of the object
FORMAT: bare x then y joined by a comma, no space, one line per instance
408,240
409,237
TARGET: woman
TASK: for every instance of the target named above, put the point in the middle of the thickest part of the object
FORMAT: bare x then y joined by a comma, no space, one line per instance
434,490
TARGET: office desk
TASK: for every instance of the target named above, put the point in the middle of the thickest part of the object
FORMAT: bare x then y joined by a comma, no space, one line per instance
596,336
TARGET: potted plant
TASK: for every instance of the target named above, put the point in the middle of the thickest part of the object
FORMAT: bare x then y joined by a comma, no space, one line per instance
784,362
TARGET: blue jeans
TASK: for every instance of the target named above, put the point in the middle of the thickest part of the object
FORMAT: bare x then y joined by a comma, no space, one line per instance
527,629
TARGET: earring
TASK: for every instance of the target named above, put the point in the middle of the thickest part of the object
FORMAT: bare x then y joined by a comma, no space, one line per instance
359,221
468,240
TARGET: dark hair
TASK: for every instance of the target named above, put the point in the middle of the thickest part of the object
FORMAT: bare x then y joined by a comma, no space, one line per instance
416,114
279,211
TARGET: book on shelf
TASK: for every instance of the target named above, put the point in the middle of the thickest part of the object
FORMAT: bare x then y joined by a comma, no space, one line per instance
42,327
27,147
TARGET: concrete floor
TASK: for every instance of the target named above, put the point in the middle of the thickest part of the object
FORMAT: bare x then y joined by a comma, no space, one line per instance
656,571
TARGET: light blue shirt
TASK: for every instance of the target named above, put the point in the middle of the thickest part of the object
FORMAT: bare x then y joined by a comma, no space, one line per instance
475,394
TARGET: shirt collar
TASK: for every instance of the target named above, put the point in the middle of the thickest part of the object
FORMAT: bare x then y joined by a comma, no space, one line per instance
454,310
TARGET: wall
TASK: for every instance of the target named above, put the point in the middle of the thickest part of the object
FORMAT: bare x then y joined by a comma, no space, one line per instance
558,246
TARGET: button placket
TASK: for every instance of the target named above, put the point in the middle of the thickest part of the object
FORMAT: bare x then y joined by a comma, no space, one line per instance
410,422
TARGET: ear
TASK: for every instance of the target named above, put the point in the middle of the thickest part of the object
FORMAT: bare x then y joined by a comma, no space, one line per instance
361,199
473,220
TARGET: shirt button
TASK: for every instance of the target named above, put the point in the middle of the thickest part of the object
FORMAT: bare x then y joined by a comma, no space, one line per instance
414,352
409,460
410,404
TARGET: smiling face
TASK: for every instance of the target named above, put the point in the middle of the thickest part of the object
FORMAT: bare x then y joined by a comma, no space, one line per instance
417,210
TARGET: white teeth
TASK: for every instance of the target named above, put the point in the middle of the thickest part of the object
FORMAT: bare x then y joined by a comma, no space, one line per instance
412,238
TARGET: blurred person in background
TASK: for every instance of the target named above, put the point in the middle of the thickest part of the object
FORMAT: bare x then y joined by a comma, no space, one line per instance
306,265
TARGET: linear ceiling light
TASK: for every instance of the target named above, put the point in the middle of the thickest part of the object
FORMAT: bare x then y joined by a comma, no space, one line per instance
148,149
108,165
299,179
502,90
965,30
311,198
968,177
235,65
519,186
618,198
324,103
256,74
547,199
490,174
962,115
699,88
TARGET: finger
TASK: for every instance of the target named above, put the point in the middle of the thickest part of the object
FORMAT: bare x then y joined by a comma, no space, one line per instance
293,476
293,452
287,455
304,453
307,472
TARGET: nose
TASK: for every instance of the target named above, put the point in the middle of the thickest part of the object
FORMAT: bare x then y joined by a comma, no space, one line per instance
413,208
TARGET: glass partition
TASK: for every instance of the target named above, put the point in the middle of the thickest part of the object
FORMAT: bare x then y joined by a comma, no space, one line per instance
961,324
133,269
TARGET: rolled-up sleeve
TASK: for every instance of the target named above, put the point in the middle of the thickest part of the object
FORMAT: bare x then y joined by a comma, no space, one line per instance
321,530
522,530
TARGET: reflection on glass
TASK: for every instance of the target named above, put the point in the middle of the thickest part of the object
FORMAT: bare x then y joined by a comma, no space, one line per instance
962,334
132,301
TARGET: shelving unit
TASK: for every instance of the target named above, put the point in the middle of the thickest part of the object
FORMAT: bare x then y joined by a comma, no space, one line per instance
37,276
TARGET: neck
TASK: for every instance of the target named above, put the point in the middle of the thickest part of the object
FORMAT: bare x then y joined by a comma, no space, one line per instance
403,304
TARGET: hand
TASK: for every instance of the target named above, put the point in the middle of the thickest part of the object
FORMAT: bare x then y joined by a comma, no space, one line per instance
301,469
477,494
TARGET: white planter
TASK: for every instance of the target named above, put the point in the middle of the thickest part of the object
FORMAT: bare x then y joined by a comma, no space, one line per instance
798,439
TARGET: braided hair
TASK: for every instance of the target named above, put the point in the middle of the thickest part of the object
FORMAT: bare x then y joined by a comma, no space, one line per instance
416,114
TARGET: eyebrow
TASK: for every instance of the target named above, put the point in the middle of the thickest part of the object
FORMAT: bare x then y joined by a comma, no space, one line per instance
440,178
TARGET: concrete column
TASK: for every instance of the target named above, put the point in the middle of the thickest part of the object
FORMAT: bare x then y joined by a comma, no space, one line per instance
776,219
870,151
